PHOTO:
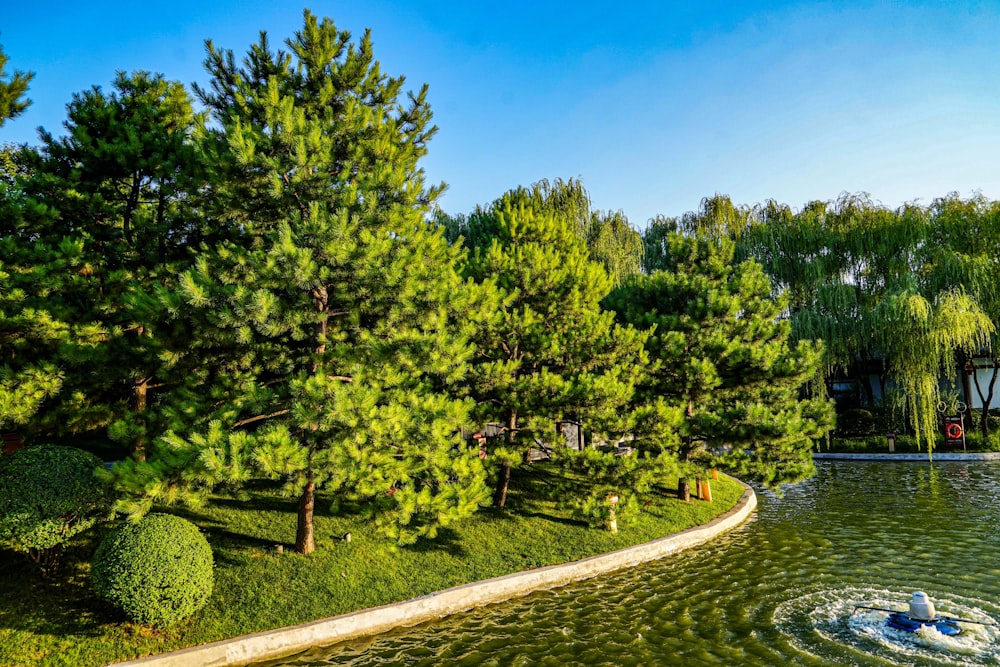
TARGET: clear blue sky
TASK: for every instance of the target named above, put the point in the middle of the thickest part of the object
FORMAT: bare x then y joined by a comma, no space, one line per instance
654,105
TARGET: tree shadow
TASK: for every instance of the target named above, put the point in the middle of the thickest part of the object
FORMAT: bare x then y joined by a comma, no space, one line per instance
62,604
566,521
446,540
226,540
258,504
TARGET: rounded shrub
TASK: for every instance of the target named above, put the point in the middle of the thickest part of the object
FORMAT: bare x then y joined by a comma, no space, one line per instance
157,571
48,494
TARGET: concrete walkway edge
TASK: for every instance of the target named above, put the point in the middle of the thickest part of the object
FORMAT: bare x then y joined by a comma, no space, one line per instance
273,644
910,456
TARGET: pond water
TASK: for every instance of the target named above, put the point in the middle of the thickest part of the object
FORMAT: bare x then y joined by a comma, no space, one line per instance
781,589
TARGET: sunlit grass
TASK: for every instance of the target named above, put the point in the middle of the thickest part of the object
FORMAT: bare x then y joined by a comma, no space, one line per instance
58,621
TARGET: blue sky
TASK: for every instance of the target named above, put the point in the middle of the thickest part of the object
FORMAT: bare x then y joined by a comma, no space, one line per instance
654,105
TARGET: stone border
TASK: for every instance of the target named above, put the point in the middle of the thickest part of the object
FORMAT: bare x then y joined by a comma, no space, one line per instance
282,642
911,456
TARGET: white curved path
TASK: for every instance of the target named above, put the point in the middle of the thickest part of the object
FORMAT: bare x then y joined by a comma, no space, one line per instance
272,644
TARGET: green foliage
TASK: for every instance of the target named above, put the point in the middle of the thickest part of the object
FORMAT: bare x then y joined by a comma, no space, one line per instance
157,571
257,589
48,494
12,90
723,382
915,286
609,238
331,330
921,339
590,477
549,351
855,422
90,220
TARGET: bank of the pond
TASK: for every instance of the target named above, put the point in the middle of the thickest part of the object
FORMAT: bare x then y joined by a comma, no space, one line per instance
273,644
908,456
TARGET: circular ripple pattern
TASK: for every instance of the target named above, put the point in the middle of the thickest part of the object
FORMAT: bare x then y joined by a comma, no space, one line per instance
779,590
826,623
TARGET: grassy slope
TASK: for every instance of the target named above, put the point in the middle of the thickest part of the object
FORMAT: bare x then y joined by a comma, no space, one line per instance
59,622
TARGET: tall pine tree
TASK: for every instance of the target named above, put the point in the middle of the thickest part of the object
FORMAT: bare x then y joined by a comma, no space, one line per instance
114,225
333,327
549,352
723,383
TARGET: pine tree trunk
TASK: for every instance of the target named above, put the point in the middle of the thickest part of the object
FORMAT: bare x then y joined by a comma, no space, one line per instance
140,389
503,481
304,542
684,489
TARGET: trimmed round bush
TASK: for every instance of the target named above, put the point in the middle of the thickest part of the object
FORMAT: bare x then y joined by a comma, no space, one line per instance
157,571
48,494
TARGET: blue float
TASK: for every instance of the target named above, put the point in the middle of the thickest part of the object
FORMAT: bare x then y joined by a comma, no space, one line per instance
922,613
901,621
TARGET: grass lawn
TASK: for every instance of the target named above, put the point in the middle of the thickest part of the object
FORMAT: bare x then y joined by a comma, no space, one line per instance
58,621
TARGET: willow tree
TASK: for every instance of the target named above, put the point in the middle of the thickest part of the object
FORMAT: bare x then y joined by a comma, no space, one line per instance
335,324
963,244
903,288
920,338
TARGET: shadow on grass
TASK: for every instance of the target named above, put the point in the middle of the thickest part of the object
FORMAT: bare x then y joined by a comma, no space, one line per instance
566,521
226,540
446,541
258,503
62,604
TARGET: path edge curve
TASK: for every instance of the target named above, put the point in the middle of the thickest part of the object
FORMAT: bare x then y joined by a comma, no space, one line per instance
287,641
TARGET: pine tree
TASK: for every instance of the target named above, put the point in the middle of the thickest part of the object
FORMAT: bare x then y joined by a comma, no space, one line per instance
723,383
113,218
610,239
38,327
549,352
333,327
12,90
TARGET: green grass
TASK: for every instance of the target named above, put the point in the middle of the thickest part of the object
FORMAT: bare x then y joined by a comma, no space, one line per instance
877,444
59,621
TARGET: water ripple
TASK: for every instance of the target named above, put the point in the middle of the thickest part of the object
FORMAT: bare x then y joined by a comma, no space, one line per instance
781,589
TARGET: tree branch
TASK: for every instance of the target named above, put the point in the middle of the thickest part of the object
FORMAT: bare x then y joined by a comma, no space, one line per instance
250,420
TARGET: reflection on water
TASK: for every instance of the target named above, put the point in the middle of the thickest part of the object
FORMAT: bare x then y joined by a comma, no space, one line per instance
779,590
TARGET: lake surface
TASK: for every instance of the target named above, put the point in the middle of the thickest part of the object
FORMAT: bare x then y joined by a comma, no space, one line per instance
781,589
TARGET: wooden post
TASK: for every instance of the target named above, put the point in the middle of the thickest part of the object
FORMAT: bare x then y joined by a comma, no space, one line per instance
612,520
706,493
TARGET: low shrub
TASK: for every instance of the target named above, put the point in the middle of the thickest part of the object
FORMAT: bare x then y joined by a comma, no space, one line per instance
48,494
855,422
157,571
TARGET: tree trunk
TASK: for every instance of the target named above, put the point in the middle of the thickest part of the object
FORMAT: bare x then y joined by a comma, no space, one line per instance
866,381
962,362
986,401
140,389
684,489
131,204
304,541
503,481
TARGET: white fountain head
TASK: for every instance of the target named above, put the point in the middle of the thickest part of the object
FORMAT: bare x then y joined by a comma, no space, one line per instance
921,607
